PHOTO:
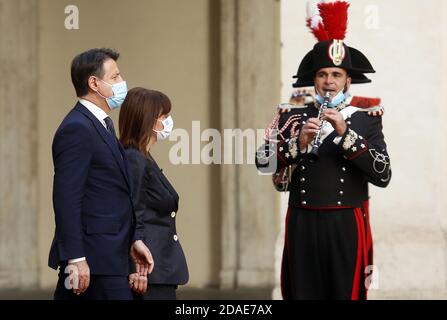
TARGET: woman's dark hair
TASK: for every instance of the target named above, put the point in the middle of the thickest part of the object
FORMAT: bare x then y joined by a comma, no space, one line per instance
89,63
138,115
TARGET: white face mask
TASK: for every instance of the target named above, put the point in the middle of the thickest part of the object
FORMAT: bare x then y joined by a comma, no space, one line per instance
168,125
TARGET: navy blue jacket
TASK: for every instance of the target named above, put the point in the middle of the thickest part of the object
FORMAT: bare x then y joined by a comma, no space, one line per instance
91,196
156,205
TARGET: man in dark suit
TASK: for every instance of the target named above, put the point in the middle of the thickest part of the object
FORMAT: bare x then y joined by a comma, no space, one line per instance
92,201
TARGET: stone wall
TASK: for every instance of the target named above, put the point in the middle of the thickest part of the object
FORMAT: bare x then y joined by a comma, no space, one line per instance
250,83
18,144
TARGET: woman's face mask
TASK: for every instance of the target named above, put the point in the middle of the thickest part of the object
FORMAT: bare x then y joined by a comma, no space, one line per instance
168,125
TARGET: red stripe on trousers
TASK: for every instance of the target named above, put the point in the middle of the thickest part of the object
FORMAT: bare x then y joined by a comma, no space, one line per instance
284,292
358,265
369,242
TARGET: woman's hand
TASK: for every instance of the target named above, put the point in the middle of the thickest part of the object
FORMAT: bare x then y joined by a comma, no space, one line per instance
138,283
142,257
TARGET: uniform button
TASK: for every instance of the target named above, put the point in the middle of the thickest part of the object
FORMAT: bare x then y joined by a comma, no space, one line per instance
173,214
342,180
303,179
304,122
303,191
341,193
339,203
305,114
348,123
303,168
303,203
175,237
343,169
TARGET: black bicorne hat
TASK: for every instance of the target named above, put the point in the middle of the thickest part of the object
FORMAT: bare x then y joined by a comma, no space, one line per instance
331,51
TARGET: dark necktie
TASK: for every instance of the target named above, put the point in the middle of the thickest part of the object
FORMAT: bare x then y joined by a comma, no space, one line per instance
110,127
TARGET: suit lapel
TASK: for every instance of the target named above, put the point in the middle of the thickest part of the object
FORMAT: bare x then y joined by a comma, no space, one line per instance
111,141
166,183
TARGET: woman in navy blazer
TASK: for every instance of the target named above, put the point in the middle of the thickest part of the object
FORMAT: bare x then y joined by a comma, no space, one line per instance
144,120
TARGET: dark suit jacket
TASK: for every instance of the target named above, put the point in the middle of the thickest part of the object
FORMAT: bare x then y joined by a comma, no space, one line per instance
91,196
156,204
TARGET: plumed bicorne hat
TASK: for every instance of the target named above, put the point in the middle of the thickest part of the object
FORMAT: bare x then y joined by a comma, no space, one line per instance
328,22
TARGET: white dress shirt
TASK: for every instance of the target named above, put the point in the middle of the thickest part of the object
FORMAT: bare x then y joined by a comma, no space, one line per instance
100,115
97,111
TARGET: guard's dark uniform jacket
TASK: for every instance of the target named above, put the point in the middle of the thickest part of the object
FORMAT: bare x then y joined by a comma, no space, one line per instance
328,201
340,177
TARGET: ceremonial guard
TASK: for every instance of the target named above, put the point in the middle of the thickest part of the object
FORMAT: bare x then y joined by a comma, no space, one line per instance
327,150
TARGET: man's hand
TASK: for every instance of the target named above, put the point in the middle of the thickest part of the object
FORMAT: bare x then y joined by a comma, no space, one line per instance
83,276
335,118
142,258
308,132
138,283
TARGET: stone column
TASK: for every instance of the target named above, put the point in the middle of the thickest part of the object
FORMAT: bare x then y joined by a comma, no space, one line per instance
250,87
18,100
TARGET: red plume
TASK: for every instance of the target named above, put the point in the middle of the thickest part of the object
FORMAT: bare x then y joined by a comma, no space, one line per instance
318,31
335,18
365,103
